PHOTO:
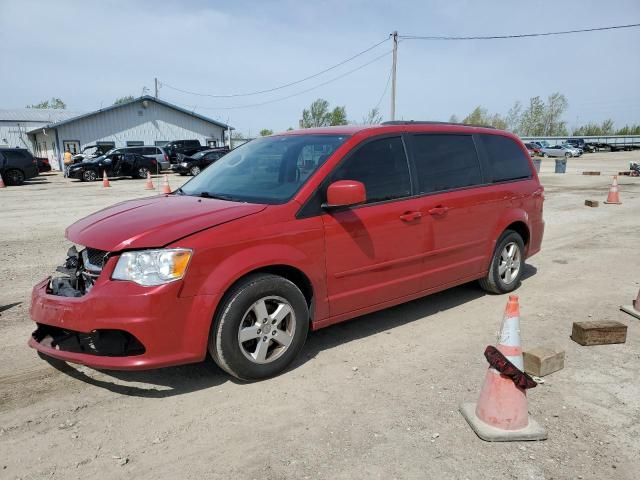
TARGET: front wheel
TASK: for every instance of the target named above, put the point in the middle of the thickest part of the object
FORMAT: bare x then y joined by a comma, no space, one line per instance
260,327
507,264
567,155
544,155
195,170
89,176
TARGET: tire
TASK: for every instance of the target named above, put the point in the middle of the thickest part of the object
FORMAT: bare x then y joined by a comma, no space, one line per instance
195,170
567,155
89,176
142,172
14,177
544,155
497,282
245,359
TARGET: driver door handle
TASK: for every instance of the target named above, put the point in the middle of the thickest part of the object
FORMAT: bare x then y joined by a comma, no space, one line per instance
410,216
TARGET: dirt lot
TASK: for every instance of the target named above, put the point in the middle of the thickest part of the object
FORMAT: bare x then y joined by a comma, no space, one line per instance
376,397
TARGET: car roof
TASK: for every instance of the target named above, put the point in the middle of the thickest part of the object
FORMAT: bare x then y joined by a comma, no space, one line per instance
398,126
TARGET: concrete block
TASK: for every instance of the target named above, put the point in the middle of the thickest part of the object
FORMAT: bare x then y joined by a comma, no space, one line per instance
533,431
631,310
599,332
591,173
541,361
592,203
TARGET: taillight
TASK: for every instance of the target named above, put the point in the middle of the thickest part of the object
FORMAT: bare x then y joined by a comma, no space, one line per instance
166,157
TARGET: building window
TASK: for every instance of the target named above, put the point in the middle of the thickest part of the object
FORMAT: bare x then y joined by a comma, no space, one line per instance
160,143
72,145
134,143
107,144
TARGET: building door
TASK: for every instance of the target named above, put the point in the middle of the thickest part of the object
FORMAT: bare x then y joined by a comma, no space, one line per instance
212,143
72,145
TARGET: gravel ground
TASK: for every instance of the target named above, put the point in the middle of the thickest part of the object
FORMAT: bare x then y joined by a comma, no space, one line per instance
376,397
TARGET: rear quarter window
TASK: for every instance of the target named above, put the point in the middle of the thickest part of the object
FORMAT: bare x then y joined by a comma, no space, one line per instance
445,162
505,159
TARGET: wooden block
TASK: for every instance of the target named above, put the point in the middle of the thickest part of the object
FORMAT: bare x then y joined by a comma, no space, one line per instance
599,332
541,361
626,172
591,173
592,203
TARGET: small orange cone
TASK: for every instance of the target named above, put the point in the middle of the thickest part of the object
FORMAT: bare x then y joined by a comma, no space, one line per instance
2,185
105,179
165,186
501,414
614,195
149,185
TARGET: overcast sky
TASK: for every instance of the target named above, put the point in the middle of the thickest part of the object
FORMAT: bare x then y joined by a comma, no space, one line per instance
90,52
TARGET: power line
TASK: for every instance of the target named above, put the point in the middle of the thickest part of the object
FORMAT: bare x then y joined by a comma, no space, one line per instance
523,35
386,87
248,94
298,93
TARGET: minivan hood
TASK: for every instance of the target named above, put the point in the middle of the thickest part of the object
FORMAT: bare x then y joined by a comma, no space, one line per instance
154,221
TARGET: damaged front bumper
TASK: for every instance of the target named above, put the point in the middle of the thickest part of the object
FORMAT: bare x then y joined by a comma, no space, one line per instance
120,325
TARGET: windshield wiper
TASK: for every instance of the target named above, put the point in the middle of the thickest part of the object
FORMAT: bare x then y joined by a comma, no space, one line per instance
218,196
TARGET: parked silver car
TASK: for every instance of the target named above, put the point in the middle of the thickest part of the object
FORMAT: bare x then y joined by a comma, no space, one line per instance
559,151
148,151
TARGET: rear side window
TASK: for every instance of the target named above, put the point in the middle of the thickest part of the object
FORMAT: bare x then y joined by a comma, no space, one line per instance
16,155
506,161
445,162
382,166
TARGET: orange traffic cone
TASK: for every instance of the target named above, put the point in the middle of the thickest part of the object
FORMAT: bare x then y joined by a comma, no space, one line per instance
501,413
634,308
105,179
614,196
2,185
165,186
149,185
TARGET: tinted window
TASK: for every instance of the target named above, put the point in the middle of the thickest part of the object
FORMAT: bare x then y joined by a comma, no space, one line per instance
148,151
382,166
16,155
444,162
506,159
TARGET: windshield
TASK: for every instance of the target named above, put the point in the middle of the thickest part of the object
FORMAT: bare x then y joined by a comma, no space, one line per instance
266,170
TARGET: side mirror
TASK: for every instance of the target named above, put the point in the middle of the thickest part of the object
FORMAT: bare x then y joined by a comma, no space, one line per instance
345,193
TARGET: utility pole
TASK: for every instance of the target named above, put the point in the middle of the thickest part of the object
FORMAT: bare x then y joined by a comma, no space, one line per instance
393,74
156,82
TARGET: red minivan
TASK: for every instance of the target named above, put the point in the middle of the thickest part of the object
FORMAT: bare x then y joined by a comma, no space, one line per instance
286,234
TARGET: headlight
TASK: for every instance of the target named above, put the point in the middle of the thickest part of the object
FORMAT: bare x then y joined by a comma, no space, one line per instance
184,164
152,267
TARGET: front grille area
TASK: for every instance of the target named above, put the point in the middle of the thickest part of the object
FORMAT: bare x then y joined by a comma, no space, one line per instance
96,257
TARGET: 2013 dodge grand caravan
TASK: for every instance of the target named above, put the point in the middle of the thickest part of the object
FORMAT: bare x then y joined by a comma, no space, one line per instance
289,233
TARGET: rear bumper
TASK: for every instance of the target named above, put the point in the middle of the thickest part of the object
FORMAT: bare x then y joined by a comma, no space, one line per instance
172,329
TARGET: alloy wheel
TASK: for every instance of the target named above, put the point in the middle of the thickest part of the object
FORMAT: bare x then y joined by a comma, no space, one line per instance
267,329
509,265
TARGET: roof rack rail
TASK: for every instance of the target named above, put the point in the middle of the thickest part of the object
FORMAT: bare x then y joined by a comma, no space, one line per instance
431,122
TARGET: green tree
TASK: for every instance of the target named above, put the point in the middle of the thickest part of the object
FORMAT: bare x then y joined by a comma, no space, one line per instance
513,117
265,132
480,116
454,119
125,99
556,106
373,117
289,129
318,115
532,119
629,130
53,103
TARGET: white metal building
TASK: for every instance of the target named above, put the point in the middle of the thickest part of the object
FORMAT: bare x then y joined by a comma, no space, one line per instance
15,124
143,121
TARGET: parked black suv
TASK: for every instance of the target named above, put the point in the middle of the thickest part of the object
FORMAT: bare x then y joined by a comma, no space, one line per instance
17,165
197,162
116,165
183,147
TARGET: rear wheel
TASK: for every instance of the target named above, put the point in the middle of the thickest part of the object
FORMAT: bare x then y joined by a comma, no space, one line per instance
195,170
14,177
507,264
142,172
261,326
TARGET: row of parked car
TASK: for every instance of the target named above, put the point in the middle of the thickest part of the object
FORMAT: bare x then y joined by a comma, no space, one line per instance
186,157
543,149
